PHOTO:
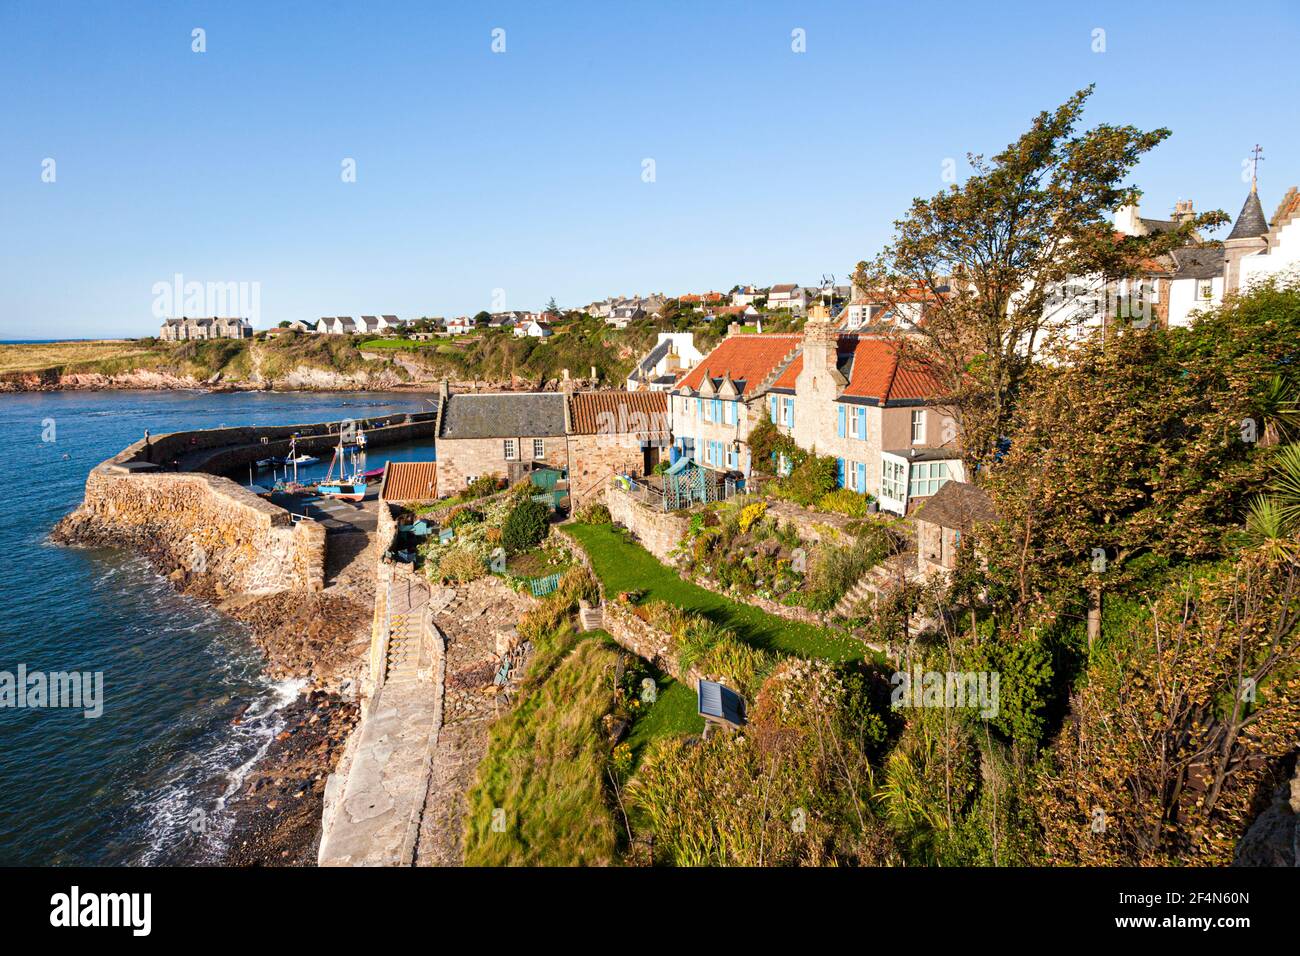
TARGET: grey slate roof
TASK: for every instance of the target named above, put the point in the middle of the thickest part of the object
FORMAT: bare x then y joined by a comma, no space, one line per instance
504,415
655,355
957,505
1251,222
1197,262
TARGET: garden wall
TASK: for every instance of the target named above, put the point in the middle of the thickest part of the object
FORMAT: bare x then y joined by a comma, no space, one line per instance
658,531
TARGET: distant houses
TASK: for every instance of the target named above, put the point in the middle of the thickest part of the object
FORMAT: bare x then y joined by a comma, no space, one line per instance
186,329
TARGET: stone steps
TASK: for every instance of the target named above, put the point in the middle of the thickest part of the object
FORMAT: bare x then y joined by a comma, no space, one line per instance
852,598
591,618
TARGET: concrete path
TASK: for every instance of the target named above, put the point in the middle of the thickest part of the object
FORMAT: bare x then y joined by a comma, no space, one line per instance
377,822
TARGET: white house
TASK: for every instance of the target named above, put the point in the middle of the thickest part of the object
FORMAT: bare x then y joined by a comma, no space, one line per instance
745,295
340,325
674,354
533,329
460,325
1281,252
792,297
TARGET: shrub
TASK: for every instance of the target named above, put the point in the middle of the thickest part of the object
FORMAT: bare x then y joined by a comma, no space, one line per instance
749,514
524,526
845,502
482,486
811,480
461,566
594,512
463,516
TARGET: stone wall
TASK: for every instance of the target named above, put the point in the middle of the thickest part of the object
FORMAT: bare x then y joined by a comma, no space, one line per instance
200,525
219,450
460,459
647,642
594,458
658,531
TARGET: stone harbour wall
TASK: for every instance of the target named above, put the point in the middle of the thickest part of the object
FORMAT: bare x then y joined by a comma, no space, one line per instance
200,525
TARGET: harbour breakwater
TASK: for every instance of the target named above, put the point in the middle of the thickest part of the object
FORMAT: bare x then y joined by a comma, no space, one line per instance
305,595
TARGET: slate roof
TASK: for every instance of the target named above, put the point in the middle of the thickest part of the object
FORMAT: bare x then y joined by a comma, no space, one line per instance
958,505
504,415
1197,262
591,413
655,356
1250,221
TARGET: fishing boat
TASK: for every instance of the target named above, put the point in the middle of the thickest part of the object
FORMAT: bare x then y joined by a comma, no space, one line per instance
294,460
349,486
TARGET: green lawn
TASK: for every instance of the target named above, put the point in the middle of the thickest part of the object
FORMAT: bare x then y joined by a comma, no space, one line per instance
623,565
673,714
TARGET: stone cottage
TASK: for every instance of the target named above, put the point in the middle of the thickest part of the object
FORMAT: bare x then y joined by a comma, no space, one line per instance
498,433
956,510
612,432
186,329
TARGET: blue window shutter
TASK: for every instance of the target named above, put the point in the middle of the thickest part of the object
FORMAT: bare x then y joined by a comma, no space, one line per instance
862,424
697,408
862,477
717,409
772,400
839,426
839,465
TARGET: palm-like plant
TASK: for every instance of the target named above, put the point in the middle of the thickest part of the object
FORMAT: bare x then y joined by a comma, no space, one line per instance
1268,529
1279,411
1284,487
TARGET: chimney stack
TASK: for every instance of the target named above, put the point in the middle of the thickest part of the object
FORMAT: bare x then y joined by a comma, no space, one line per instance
1183,210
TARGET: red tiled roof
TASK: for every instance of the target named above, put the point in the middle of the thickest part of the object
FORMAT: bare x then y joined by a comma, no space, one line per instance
410,481
747,358
875,373
592,413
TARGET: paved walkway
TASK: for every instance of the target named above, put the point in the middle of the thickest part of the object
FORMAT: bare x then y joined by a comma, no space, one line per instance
377,817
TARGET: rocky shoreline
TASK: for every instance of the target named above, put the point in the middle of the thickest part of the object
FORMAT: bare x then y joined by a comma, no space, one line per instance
321,637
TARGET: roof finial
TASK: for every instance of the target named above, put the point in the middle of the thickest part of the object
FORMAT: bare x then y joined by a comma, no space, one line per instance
1256,155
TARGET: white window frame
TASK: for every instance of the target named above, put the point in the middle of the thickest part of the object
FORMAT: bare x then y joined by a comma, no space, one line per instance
854,418
918,422
539,448
510,449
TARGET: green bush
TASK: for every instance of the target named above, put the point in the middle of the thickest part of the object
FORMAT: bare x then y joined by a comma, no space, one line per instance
594,512
811,480
482,486
461,566
464,516
525,526
845,502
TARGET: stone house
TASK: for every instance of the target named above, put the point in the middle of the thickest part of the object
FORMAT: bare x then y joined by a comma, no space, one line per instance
612,432
850,396
187,329
941,522
534,329
498,433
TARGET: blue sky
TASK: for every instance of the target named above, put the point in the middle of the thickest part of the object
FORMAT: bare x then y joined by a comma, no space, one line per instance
522,171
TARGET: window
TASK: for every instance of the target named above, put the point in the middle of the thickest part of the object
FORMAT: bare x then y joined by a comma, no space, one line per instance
851,469
893,479
733,456
729,413
918,426
539,447
508,449
927,478
470,479
1206,291
855,424
787,412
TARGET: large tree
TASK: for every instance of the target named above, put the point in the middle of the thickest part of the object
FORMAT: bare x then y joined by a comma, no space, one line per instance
987,256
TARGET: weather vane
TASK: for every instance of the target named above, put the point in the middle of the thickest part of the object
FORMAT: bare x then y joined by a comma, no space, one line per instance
1256,155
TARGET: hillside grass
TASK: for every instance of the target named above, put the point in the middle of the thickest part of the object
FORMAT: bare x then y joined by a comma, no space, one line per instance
545,766
623,565
39,357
